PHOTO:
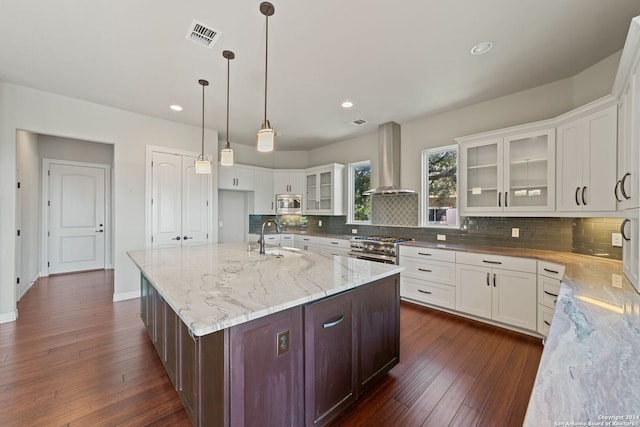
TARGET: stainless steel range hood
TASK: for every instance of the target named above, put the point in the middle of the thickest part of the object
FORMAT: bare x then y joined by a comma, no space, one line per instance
389,161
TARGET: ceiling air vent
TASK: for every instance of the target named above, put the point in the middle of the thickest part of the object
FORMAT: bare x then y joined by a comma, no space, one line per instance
359,122
202,34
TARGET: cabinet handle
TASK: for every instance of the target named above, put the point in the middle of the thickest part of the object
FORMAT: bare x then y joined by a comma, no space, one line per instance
624,179
506,199
334,323
500,199
551,271
576,196
271,205
424,269
547,323
615,191
335,243
488,278
424,292
424,253
624,236
549,293
494,280
492,262
583,201
306,240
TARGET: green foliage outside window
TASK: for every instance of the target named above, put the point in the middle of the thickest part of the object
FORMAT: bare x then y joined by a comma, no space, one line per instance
443,168
361,183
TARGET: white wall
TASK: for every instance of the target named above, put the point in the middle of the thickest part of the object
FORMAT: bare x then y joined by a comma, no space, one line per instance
248,155
54,147
45,113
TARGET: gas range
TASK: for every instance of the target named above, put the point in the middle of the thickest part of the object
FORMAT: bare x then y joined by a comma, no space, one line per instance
376,248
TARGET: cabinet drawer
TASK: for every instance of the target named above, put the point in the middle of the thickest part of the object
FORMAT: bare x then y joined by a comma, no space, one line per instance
272,238
286,240
335,243
497,261
433,271
428,292
549,269
545,315
548,289
427,253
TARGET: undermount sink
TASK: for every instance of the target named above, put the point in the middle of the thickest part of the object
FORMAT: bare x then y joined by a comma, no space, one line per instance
283,252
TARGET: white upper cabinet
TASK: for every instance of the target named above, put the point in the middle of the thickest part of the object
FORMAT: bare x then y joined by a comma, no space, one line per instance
289,181
587,162
324,190
509,174
236,177
264,198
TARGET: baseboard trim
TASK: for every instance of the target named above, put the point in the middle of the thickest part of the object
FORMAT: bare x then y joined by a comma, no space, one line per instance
126,295
9,317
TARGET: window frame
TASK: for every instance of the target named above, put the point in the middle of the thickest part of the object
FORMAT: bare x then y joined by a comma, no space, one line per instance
351,194
424,194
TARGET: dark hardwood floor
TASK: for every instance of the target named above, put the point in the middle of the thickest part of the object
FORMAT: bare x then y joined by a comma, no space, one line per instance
75,358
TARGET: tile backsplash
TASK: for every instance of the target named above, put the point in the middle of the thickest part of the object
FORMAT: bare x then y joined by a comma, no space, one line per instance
397,210
590,236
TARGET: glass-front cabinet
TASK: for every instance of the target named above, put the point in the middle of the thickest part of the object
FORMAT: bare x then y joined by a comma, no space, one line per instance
324,190
513,173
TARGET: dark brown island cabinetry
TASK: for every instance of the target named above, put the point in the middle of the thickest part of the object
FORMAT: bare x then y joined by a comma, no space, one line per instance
300,366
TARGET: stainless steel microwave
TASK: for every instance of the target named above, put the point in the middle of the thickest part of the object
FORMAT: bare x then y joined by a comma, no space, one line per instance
288,204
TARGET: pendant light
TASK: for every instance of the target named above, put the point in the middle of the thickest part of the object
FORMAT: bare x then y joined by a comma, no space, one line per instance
226,155
266,134
203,165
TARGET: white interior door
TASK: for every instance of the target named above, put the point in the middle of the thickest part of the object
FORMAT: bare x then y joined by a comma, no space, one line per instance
166,216
195,203
76,218
180,207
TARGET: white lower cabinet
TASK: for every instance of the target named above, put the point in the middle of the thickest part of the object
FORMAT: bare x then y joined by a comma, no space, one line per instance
549,278
502,289
323,245
429,276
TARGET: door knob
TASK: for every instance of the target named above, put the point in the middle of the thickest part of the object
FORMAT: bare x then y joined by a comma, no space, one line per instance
176,238
99,231
186,238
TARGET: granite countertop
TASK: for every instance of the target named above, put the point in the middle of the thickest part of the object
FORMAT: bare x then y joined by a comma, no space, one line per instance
213,287
590,366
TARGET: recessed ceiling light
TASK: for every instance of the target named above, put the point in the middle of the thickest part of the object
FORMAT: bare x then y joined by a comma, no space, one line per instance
176,107
481,48
347,104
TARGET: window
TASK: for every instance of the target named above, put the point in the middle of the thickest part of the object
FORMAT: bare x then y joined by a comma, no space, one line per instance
359,181
440,187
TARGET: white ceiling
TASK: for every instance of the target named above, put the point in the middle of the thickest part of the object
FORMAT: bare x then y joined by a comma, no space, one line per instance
395,60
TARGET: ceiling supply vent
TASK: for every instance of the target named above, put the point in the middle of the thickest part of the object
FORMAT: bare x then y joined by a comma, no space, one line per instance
202,34
359,122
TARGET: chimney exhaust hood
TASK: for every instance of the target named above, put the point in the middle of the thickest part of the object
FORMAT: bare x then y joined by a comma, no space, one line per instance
389,161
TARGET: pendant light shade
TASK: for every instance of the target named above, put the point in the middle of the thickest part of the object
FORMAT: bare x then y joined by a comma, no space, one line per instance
202,164
266,135
226,155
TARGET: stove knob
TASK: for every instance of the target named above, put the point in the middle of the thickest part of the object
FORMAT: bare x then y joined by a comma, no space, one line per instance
370,248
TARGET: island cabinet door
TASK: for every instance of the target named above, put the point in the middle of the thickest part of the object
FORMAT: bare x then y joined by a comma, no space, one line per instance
267,379
144,302
379,330
330,358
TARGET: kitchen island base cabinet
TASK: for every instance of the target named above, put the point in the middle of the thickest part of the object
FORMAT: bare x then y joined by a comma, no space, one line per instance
281,369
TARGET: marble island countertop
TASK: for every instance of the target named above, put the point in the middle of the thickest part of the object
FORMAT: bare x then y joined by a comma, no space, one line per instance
590,366
213,287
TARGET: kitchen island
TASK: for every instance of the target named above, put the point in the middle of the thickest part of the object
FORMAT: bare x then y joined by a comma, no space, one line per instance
286,338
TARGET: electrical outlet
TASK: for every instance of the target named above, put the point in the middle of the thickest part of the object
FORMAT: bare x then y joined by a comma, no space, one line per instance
220,224
616,239
515,232
282,342
319,223
441,237
354,231
616,280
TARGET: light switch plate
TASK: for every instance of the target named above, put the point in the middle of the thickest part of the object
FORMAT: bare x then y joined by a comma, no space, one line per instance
616,239
515,232
319,223
442,237
616,280
220,224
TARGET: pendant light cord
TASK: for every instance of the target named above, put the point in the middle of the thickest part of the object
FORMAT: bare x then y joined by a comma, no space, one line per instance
228,77
266,56
202,122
